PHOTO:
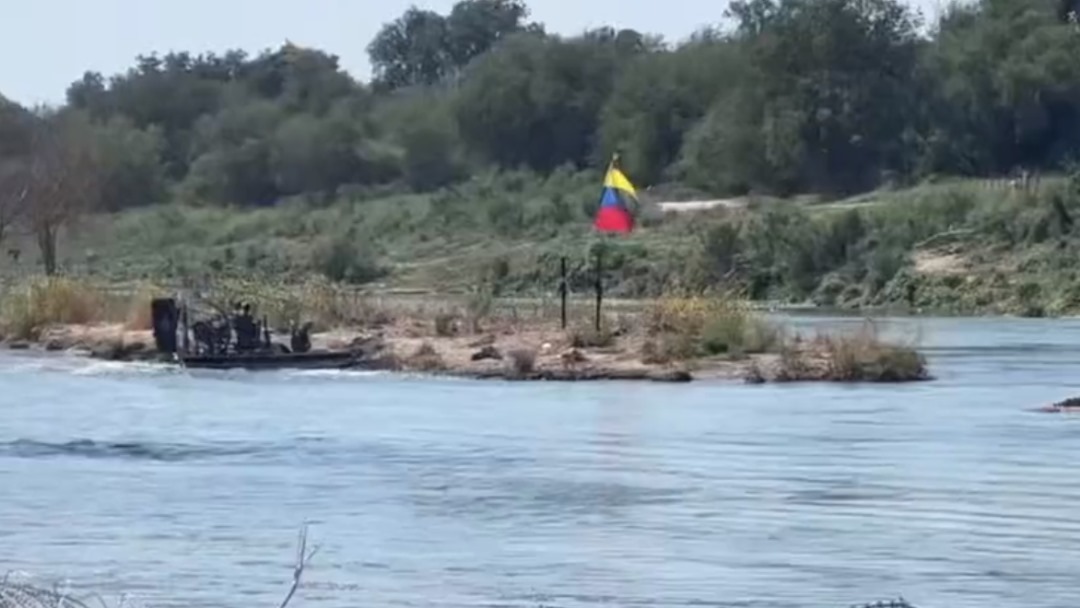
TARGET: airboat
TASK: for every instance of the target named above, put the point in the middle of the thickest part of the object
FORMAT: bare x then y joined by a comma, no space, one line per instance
220,343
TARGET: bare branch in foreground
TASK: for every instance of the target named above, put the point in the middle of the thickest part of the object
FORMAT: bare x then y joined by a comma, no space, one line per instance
303,557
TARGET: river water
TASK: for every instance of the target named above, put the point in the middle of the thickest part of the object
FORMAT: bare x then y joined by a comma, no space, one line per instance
188,490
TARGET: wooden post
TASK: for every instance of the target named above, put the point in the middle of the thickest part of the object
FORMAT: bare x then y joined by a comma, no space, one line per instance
563,288
599,283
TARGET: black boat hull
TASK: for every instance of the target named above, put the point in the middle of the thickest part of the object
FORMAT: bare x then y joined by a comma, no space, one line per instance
270,361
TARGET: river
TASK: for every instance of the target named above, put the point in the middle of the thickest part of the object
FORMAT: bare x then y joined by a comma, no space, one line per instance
188,490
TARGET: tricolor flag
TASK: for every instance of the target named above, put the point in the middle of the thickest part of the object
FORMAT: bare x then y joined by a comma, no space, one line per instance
614,213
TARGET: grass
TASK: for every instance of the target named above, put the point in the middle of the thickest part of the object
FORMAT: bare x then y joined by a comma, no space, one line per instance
27,309
587,336
37,302
865,357
706,326
860,356
500,235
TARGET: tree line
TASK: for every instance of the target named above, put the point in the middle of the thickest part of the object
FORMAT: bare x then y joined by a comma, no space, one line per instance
824,96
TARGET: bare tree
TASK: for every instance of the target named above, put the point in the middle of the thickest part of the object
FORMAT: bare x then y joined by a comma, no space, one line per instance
63,180
15,124
14,191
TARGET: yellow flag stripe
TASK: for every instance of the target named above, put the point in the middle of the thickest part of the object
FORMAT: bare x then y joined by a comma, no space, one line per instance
615,179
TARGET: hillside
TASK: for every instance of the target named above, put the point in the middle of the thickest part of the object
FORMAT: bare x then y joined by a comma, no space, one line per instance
967,247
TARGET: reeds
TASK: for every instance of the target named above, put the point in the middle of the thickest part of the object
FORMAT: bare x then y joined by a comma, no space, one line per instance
27,309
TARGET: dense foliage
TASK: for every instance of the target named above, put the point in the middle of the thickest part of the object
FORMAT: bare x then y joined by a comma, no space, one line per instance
800,95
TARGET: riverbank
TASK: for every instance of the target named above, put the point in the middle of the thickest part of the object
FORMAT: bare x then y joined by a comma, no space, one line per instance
672,339
540,354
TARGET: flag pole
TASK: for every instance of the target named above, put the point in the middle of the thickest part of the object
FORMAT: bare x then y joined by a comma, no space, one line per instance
600,261
599,282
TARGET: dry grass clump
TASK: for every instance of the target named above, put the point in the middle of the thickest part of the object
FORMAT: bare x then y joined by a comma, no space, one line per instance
796,363
865,357
522,361
699,326
862,356
327,305
42,301
587,336
426,359
651,354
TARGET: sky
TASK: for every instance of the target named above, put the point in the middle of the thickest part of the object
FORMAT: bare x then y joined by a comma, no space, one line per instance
47,44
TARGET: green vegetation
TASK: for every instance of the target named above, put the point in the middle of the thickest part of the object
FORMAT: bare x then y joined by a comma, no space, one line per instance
693,327
474,158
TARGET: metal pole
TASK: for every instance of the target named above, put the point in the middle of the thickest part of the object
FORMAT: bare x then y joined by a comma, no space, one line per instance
563,288
599,283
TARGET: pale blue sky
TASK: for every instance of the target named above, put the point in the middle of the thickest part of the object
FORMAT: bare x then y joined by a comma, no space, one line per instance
46,44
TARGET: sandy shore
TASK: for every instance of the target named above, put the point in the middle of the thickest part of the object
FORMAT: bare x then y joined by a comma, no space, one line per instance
530,354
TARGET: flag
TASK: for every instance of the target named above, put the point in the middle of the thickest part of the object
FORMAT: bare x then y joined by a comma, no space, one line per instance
614,213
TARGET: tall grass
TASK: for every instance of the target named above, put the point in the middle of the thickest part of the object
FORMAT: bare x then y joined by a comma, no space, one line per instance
695,326
317,300
865,357
28,308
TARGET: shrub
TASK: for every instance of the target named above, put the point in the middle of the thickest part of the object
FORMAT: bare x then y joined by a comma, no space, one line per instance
446,325
426,359
651,353
709,326
864,357
479,306
589,337
522,361
342,260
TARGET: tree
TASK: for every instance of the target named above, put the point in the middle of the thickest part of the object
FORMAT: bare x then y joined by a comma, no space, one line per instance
311,154
475,26
15,133
1005,89
412,50
535,100
64,179
130,162
659,97
1068,10
833,78
425,48
14,188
